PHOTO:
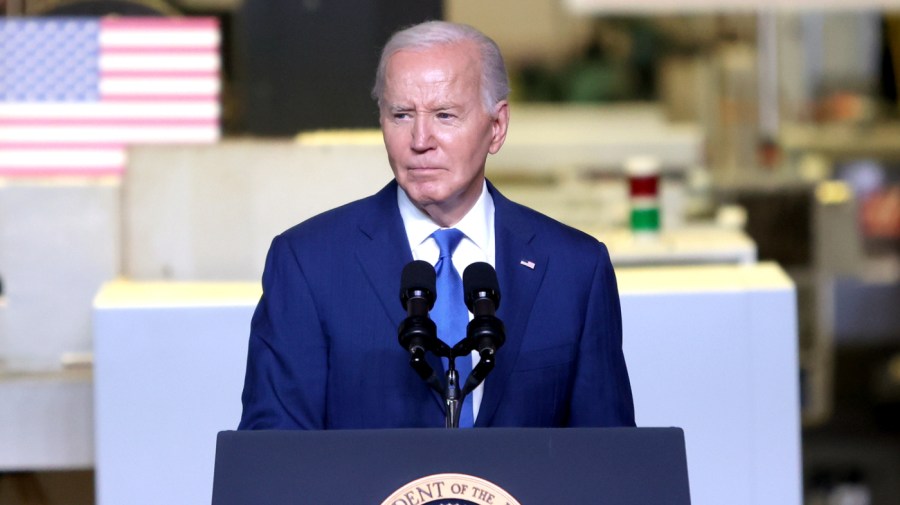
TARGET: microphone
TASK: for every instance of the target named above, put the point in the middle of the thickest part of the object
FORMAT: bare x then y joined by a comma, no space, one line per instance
485,332
481,288
417,294
418,333
417,291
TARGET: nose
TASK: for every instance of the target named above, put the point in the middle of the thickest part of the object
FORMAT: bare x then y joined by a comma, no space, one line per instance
422,136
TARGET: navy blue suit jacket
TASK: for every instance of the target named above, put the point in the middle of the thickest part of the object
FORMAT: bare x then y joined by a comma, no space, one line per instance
323,350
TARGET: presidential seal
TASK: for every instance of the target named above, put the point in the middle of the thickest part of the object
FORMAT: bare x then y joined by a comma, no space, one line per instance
450,489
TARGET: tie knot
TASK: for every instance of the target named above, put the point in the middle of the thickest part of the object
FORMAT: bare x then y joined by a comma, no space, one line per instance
447,240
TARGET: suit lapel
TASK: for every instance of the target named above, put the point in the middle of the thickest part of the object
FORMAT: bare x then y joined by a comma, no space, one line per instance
383,250
519,284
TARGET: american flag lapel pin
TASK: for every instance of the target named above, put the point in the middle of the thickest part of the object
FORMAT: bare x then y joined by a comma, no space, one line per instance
527,263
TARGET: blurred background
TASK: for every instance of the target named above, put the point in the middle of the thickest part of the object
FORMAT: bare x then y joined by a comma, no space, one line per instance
773,130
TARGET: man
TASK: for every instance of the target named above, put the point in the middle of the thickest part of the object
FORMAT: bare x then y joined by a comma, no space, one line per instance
323,348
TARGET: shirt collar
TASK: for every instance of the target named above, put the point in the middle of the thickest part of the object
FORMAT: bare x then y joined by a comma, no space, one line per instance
475,224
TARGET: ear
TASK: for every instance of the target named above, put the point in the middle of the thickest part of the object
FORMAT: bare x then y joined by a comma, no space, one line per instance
500,123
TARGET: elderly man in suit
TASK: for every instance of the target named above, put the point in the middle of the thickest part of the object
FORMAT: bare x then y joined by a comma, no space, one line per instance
323,350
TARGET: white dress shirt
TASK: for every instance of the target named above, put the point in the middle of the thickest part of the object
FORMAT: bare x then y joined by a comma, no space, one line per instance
477,245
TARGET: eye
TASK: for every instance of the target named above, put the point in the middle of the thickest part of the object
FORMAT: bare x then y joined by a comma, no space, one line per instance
445,115
401,115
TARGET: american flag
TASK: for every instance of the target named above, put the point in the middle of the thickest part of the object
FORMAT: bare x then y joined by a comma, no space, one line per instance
75,92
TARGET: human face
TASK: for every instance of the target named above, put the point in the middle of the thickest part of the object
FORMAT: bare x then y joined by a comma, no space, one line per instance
436,129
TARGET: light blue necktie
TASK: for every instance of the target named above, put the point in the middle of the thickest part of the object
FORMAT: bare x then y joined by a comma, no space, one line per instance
450,313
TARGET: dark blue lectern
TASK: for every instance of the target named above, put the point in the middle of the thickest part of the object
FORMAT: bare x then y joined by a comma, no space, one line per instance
609,466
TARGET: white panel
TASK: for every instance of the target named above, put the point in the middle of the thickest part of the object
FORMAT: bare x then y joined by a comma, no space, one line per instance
59,242
688,361
714,351
776,397
167,380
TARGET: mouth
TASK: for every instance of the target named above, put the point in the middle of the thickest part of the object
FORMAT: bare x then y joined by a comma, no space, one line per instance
423,170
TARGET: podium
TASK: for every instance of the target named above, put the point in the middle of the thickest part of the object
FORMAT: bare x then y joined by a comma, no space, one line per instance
533,466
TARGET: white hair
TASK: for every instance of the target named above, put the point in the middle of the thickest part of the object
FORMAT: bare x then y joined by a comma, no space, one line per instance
494,81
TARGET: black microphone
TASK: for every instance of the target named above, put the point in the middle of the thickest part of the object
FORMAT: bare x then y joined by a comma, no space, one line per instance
417,294
417,287
485,332
481,288
418,333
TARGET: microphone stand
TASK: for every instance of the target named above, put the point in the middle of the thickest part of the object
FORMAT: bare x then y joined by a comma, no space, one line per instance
416,335
480,372
424,370
484,334
452,397
450,389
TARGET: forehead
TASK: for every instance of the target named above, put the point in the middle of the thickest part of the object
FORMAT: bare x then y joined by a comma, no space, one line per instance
449,66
